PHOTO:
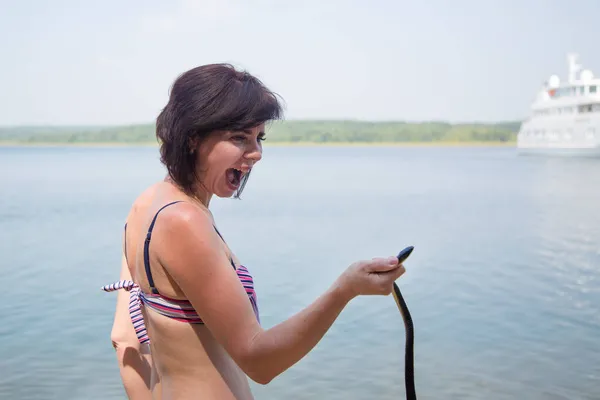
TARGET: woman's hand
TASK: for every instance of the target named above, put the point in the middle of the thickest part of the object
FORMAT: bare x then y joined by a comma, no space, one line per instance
370,277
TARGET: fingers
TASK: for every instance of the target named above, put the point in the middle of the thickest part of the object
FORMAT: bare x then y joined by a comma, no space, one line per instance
399,272
380,275
388,278
394,273
382,264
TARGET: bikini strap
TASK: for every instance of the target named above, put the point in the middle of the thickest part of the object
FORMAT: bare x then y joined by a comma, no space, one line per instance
221,236
147,248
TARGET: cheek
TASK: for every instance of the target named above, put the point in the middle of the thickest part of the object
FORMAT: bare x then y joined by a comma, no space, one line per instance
221,157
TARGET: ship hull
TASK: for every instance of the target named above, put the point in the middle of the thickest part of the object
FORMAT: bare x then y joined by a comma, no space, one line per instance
593,152
570,136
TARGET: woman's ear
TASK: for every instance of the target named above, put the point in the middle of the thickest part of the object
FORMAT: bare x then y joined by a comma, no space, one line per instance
193,144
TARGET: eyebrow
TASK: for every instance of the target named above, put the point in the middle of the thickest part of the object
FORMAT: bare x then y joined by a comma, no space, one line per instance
249,132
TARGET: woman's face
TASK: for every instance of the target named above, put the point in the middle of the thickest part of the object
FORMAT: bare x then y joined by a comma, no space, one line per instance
224,157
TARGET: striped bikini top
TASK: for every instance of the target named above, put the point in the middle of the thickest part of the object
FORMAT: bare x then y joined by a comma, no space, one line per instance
179,310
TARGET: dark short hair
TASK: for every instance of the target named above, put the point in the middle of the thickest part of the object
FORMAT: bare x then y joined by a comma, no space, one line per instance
203,100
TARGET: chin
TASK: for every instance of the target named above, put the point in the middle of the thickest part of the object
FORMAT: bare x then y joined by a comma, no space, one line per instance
225,194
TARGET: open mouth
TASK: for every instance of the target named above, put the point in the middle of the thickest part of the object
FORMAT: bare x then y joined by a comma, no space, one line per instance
234,177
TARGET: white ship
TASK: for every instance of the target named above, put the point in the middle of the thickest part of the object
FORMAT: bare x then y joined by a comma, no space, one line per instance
565,116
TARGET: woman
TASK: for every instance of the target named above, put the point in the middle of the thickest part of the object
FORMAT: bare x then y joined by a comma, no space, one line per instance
197,300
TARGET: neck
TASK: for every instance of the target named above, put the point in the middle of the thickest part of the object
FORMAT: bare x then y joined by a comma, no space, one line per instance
198,193
202,196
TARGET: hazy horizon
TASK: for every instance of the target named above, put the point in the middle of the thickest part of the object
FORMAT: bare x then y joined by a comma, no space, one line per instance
75,126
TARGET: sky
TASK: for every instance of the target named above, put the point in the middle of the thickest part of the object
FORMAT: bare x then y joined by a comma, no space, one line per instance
82,62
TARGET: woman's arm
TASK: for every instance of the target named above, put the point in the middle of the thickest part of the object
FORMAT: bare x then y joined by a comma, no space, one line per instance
192,253
133,358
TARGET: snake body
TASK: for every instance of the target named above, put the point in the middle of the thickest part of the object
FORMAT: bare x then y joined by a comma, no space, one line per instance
409,377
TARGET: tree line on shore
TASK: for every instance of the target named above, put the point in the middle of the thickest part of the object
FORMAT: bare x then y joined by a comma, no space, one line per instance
290,131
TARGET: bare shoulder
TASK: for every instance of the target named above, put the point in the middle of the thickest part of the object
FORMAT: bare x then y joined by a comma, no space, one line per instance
185,232
143,201
185,218
188,248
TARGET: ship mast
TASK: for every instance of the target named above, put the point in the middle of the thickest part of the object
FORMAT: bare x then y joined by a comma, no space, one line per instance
574,67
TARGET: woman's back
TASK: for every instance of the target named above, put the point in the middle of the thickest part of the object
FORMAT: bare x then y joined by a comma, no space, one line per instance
186,356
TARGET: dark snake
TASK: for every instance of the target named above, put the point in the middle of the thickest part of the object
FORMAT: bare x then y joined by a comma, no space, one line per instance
409,377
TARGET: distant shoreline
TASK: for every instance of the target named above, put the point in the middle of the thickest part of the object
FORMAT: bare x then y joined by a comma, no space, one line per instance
334,133
272,144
